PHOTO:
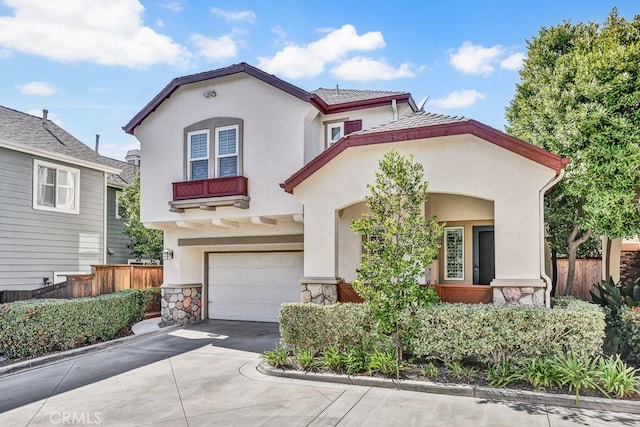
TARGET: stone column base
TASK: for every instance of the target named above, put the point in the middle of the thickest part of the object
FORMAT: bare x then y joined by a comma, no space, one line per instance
519,292
319,290
180,304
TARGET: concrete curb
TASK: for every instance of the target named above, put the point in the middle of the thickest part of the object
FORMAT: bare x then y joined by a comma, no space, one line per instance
479,392
75,352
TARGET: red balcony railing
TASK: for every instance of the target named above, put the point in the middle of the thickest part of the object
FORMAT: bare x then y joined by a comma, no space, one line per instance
214,187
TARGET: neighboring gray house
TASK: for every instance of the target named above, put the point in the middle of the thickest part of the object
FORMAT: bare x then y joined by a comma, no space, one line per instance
117,250
53,193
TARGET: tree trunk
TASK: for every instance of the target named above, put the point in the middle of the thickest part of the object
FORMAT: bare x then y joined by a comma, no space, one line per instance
607,265
554,271
574,242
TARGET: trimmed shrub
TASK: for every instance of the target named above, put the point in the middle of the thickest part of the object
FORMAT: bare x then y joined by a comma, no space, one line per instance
629,329
317,327
489,334
36,327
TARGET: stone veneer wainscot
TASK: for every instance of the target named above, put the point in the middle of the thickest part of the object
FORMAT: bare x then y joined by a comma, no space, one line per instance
519,292
180,304
319,290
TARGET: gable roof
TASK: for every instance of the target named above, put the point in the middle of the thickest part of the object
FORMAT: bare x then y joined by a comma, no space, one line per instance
23,132
125,177
346,100
421,125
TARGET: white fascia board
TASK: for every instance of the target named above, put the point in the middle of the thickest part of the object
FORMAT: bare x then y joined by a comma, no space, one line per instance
59,157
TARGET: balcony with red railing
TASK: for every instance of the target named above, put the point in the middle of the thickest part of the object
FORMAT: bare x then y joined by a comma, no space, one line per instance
210,193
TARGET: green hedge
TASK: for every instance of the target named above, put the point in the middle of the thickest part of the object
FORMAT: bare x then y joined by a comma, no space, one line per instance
629,330
453,332
488,333
36,327
316,327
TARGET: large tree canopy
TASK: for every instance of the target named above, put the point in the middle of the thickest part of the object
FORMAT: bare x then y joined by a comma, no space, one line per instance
579,97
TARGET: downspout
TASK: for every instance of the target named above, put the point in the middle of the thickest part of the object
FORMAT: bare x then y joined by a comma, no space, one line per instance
394,107
104,222
543,272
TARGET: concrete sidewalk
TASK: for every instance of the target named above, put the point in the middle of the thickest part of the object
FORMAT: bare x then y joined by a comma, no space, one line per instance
205,375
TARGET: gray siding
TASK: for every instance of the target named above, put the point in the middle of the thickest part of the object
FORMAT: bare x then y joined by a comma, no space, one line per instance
36,243
116,239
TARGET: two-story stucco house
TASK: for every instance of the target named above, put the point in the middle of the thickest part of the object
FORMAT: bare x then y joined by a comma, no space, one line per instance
255,182
57,203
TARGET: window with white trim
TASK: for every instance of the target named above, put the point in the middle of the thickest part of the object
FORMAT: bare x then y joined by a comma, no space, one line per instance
454,253
226,151
56,187
198,152
118,194
335,131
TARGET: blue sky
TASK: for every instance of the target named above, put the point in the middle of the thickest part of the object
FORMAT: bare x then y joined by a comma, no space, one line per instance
95,64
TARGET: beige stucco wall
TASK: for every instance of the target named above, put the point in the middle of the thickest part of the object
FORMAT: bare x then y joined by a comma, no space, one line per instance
457,165
272,145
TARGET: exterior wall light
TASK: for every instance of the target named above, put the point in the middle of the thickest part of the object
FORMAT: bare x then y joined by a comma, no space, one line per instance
167,254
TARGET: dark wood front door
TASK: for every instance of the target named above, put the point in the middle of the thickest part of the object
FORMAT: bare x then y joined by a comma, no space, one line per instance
484,264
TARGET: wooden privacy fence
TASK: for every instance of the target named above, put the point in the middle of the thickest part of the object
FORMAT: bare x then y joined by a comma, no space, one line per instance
588,273
104,279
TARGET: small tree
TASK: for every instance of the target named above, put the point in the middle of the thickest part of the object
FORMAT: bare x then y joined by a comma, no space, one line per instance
399,242
143,241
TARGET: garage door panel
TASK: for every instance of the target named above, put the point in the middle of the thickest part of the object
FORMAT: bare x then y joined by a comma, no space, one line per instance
252,286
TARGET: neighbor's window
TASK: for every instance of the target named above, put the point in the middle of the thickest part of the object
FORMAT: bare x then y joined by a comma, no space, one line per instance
227,151
55,187
335,131
198,149
118,195
454,253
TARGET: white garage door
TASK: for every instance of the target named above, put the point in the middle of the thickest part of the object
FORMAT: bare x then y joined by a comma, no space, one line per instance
252,285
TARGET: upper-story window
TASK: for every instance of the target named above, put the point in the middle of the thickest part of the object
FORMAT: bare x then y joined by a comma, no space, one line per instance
198,147
336,130
56,187
227,151
334,133
213,148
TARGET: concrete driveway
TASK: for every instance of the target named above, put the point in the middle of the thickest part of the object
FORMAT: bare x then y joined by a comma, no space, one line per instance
204,375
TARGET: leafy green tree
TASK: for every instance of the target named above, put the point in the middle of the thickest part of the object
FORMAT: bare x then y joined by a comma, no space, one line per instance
143,241
399,243
579,96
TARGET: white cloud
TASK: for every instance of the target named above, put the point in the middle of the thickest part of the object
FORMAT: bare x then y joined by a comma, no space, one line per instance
50,115
365,69
458,99
173,6
513,61
38,88
104,32
475,59
215,49
5,53
159,23
230,15
295,61
279,32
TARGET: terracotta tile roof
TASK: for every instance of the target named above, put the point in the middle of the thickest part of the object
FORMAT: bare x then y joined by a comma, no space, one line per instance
415,120
341,96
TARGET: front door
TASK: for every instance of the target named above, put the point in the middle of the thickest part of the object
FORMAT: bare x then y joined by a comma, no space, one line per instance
484,264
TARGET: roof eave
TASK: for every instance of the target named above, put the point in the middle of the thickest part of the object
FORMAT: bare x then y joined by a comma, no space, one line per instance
472,127
59,157
209,75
